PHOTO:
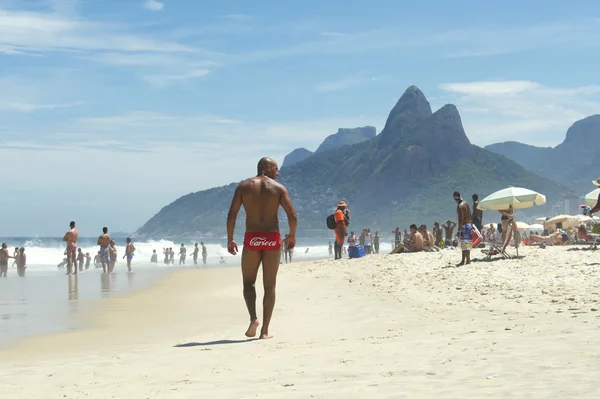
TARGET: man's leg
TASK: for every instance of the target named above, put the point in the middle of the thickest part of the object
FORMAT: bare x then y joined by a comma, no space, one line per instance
270,262
250,264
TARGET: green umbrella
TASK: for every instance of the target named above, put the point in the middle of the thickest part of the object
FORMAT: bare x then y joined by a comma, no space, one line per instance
518,197
591,198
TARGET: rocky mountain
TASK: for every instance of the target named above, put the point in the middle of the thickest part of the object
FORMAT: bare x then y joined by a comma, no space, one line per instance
347,137
342,137
572,163
299,154
404,175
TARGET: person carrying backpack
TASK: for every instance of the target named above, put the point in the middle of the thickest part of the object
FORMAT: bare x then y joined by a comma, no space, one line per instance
342,219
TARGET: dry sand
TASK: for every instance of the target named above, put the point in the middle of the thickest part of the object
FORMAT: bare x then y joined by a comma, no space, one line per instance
388,326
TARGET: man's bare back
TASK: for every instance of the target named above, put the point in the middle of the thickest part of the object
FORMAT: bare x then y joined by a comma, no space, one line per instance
261,197
104,240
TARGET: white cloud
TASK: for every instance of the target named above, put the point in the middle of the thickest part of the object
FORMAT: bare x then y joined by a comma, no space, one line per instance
44,32
154,5
29,107
490,88
456,43
153,158
174,78
525,111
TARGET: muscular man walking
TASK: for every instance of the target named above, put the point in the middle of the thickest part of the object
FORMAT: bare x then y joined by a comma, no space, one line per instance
465,228
261,197
71,240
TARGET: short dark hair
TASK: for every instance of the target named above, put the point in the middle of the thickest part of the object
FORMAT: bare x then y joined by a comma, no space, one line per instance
105,230
72,223
413,226
475,197
456,194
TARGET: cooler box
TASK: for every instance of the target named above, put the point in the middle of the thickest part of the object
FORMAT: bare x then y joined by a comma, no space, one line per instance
357,251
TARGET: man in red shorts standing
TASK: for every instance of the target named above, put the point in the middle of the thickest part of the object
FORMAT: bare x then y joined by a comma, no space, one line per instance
261,197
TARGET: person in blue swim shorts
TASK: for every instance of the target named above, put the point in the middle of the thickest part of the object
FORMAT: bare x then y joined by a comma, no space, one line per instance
465,228
129,250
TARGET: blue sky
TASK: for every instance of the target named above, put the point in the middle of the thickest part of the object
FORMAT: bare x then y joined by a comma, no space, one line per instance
110,110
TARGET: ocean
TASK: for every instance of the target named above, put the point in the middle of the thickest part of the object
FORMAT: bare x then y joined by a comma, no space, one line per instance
47,301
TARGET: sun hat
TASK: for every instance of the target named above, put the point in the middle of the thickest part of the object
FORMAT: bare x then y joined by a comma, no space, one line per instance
596,182
342,203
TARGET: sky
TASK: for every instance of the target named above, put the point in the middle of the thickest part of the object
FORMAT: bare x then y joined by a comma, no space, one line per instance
110,110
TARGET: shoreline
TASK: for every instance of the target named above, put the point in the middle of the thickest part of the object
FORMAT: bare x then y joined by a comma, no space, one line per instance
377,325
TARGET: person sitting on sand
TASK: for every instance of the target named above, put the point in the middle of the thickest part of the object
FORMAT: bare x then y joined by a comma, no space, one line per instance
438,234
551,239
428,239
415,242
491,233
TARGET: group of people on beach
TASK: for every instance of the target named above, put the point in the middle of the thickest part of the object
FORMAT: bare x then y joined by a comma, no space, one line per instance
169,255
261,196
20,260
107,253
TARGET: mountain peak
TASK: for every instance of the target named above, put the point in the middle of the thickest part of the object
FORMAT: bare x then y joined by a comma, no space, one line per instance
298,155
345,136
584,130
411,108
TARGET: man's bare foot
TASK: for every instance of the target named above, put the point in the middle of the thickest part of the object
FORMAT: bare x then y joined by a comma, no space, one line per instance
251,332
265,336
460,264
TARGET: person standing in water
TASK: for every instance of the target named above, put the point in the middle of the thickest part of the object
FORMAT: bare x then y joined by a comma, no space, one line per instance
129,250
4,257
80,259
465,228
112,253
21,262
261,197
154,257
195,253
204,253
182,254
71,239
104,241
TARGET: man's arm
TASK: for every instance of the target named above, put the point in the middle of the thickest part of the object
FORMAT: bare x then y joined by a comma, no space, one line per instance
66,237
597,207
286,204
234,208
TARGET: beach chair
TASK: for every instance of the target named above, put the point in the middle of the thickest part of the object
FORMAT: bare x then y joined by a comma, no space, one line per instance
496,249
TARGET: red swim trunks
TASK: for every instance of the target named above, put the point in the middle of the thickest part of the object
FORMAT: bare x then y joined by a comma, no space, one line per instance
256,241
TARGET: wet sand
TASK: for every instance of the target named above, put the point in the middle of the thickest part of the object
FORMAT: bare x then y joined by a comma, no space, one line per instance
390,326
43,303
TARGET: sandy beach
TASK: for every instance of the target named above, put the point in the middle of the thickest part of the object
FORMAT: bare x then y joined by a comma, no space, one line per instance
390,326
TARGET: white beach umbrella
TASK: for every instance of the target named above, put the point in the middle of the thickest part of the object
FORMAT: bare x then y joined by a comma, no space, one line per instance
536,227
522,226
518,197
591,198
567,221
